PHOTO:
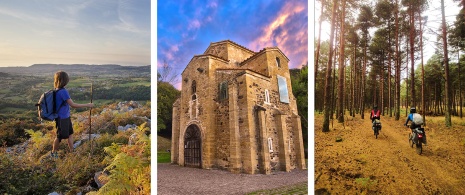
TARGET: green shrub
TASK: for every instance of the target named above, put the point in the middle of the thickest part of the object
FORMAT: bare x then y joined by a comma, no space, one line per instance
366,183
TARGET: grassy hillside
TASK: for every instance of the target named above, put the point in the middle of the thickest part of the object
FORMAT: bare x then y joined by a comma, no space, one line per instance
163,145
28,168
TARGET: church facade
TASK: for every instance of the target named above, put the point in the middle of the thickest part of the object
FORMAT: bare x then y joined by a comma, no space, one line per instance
237,112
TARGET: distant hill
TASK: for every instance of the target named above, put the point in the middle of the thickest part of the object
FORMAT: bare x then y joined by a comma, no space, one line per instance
80,69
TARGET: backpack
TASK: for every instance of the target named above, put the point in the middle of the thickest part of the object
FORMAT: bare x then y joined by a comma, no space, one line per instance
375,115
46,106
417,119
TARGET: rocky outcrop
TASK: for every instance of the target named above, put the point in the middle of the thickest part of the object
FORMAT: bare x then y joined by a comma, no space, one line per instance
101,178
127,127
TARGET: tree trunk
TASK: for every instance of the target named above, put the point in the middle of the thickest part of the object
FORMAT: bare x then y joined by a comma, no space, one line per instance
327,97
364,68
317,52
354,87
446,67
397,63
406,82
423,106
460,86
389,72
334,99
381,90
412,57
340,112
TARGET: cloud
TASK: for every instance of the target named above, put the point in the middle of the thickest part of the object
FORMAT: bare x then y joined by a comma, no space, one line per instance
212,4
288,31
193,24
132,17
45,19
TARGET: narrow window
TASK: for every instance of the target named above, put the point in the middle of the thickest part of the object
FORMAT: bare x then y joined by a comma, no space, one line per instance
267,96
194,87
270,144
283,92
223,90
278,63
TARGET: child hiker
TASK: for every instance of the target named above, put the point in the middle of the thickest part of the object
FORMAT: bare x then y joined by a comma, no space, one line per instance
63,122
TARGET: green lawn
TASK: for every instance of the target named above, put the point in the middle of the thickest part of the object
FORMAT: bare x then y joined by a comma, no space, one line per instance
163,157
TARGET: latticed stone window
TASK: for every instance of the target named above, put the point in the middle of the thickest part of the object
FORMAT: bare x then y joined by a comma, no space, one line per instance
194,89
267,96
223,90
270,144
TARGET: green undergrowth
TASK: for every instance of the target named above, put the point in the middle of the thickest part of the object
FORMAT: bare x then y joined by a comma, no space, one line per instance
33,171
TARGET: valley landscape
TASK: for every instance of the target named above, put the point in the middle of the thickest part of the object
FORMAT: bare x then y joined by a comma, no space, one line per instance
119,146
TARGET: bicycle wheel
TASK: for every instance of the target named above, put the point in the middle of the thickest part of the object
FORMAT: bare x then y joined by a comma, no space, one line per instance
419,148
410,140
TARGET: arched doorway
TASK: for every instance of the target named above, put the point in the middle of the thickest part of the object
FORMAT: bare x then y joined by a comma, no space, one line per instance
192,147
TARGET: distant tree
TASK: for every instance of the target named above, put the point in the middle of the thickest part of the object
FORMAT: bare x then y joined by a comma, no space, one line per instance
340,103
299,82
328,81
166,96
365,23
318,45
446,66
167,74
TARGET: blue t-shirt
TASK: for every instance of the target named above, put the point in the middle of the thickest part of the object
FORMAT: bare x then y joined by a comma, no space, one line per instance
61,97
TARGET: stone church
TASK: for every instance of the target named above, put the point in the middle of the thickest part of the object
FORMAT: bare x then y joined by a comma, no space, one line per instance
237,112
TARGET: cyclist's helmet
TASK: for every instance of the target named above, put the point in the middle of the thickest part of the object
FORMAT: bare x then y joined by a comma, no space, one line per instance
413,110
375,107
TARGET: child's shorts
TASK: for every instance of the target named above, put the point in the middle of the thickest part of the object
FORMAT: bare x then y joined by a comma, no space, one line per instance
64,128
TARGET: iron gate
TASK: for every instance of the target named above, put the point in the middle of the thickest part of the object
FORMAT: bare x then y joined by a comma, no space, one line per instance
192,147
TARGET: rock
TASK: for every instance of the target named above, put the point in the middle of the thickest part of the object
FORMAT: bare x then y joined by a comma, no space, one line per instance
54,193
132,139
338,139
127,106
101,178
127,127
78,143
92,136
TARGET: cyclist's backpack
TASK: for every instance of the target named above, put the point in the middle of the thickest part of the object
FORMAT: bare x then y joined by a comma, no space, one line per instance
377,114
46,105
417,119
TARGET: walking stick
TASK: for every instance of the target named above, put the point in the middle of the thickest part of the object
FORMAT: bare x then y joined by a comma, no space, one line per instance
90,120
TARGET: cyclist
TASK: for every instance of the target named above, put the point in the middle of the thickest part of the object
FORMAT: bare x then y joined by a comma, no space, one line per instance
375,115
413,111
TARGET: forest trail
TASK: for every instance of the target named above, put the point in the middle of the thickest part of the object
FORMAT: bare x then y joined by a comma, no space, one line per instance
388,165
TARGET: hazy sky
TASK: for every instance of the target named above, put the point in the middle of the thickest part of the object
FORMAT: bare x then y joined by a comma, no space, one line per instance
186,28
75,31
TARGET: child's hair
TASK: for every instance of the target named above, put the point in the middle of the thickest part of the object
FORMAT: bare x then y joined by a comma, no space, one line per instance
61,79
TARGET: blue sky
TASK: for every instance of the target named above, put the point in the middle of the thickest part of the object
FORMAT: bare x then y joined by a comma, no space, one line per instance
185,28
75,31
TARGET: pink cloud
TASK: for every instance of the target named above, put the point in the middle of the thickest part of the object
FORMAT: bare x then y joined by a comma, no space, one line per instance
194,24
287,32
212,4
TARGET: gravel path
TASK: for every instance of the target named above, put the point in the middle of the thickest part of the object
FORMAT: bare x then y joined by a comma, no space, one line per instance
174,179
